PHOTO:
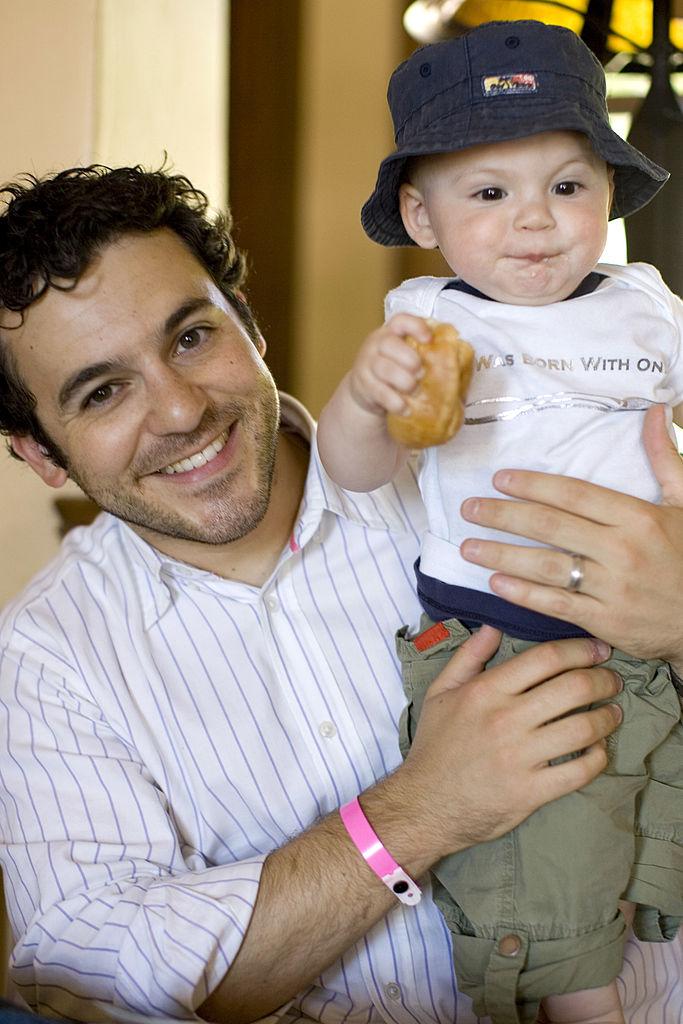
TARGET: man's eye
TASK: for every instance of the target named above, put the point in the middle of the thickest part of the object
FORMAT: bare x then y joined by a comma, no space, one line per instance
567,188
100,395
191,338
491,194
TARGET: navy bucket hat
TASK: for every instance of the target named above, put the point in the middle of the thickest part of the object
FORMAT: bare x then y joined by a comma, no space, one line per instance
503,80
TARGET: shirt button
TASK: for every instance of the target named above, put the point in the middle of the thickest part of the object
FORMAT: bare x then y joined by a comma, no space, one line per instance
327,730
392,990
272,603
510,945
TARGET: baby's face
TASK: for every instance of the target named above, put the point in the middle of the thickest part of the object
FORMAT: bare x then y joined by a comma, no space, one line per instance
523,221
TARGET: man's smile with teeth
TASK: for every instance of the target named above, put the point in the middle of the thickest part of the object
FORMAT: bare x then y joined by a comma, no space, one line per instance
199,458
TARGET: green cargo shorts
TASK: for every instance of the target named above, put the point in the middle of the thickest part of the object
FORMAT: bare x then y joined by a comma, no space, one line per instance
534,913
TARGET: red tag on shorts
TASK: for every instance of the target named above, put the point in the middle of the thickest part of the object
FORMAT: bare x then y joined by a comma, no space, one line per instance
434,635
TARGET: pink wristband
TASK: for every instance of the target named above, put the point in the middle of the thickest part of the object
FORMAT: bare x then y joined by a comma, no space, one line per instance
377,857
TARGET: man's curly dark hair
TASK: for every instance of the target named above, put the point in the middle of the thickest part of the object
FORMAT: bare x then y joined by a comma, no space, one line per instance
52,228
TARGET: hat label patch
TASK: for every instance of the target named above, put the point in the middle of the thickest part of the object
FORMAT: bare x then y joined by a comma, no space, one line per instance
509,85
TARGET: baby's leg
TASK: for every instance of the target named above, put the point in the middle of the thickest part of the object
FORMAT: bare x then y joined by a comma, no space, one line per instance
591,1006
628,910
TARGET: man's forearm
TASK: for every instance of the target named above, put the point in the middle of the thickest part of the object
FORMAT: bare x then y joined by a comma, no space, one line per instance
316,898
479,764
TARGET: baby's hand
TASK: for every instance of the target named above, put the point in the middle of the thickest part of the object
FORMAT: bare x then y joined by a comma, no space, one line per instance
386,368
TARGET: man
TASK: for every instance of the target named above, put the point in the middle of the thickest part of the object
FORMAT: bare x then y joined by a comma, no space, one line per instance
202,678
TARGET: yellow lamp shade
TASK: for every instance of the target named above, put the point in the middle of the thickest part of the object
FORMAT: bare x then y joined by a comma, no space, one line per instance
630,28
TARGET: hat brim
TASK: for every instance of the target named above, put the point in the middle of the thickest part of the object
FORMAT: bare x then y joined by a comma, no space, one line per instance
637,179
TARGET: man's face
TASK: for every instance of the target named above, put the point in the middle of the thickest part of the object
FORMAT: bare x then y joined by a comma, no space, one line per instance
148,383
523,221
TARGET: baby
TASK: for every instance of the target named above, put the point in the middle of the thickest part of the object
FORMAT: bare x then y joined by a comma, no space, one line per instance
507,163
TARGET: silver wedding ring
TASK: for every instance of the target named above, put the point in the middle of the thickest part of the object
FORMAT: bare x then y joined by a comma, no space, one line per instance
576,575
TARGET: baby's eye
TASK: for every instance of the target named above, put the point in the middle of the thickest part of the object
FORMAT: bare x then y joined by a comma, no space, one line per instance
567,188
491,194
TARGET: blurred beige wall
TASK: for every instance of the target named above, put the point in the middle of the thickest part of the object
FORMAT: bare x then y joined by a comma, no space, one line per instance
114,81
161,72
351,48
46,121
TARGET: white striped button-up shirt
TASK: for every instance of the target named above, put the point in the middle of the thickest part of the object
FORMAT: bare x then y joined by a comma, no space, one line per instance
163,729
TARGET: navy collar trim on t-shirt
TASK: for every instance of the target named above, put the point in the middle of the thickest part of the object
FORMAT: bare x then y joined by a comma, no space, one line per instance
588,285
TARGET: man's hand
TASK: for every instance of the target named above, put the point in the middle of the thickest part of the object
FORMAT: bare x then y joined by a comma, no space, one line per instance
481,753
631,594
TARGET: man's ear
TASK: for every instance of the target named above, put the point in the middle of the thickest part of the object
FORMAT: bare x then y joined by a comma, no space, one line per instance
260,343
415,216
39,460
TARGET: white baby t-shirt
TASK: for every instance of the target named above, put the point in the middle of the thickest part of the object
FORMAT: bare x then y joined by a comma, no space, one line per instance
561,388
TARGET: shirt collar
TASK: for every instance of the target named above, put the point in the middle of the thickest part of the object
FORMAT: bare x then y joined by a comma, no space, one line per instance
391,507
589,284
395,507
